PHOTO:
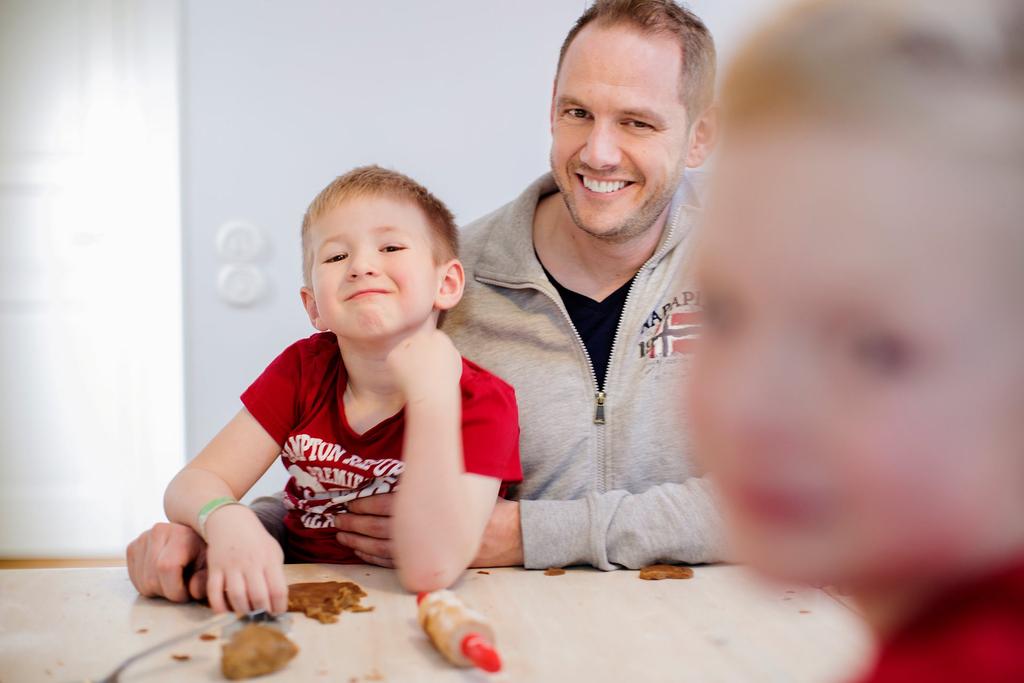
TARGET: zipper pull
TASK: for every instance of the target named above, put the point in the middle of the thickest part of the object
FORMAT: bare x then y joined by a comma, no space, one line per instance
599,408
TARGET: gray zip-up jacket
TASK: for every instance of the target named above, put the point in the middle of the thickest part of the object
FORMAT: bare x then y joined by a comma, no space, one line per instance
608,477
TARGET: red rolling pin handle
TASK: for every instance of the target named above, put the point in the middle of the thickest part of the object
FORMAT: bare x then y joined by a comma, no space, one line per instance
481,653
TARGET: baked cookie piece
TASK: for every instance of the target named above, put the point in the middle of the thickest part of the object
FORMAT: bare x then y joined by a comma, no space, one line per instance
254,651
657,572
325,600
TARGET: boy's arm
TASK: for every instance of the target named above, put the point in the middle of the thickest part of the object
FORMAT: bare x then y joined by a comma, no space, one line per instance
440,511
229,465
242,555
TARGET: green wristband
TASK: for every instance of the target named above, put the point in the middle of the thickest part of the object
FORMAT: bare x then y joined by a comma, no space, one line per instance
210,508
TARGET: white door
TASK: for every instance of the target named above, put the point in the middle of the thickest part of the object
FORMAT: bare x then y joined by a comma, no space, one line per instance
91,418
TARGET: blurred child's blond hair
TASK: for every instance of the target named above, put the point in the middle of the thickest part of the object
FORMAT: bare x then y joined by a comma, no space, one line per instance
950,72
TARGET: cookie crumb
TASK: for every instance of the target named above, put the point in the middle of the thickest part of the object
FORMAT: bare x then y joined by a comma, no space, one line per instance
554,571
374,676
181,658
805,611
657,572
207,636
326,600
142,631
482,572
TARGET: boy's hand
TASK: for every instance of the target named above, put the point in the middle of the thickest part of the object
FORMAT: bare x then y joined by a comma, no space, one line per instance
425,362
245,562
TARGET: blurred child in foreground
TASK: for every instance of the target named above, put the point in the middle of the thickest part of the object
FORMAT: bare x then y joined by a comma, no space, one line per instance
860,382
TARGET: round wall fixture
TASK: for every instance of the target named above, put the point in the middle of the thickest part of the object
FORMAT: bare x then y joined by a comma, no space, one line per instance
238,241
241,284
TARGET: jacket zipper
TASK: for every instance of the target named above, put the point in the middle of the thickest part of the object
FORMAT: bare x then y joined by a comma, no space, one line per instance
600,396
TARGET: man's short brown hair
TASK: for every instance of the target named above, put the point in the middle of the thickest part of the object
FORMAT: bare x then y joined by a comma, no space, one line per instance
374,181
661,17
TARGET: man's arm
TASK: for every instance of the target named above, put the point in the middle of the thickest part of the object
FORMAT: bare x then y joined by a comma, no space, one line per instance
163,559
666,523
271,511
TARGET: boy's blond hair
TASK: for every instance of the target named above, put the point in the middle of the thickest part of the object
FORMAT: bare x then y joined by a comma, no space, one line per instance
661,17
948,73
374,181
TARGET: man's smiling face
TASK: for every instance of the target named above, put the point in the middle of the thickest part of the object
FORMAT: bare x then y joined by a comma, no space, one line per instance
619,129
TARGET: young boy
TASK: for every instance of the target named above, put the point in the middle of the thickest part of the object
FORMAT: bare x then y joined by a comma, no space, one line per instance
379,392
859,387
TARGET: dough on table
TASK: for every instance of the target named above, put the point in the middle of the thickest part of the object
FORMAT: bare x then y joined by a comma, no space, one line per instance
256,650
657,572
325,600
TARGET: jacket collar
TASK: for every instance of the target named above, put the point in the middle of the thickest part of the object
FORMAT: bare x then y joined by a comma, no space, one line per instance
508,257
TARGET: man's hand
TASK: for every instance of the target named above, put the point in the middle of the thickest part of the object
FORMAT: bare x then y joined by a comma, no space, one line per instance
502,544
366,528
159,558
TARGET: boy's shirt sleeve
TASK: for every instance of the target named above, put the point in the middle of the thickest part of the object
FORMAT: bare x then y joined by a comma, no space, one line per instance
490,428
274,399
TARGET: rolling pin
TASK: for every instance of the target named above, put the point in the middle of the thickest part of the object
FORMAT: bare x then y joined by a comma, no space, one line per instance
461,634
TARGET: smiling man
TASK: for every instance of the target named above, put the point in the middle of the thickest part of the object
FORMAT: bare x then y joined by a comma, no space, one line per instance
579,295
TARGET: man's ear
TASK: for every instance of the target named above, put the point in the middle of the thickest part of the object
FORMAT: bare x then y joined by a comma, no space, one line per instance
453,283
703,137
309,303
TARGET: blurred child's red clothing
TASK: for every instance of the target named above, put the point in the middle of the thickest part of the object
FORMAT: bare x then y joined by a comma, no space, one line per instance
974,633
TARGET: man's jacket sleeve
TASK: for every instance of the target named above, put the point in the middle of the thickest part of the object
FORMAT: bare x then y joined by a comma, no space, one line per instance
666,523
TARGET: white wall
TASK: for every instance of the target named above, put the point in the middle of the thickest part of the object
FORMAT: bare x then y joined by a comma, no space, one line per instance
91,395
281,96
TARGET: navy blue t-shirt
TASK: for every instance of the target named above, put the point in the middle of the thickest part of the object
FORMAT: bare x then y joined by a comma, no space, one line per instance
596,321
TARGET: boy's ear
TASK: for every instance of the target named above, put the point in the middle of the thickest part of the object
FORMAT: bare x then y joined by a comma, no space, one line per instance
453,283
703,137
309,303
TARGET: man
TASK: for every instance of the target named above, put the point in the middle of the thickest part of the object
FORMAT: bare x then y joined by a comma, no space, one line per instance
577,294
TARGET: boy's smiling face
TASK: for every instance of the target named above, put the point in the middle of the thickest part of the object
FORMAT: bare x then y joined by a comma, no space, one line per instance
859,389
374,273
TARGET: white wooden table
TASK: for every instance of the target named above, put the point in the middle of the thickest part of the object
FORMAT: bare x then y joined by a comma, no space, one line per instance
721,625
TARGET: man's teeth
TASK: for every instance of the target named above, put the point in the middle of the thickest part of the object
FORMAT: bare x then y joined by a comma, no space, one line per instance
603,186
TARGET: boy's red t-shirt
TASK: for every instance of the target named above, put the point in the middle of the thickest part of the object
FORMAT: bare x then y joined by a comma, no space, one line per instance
973,633
298,401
